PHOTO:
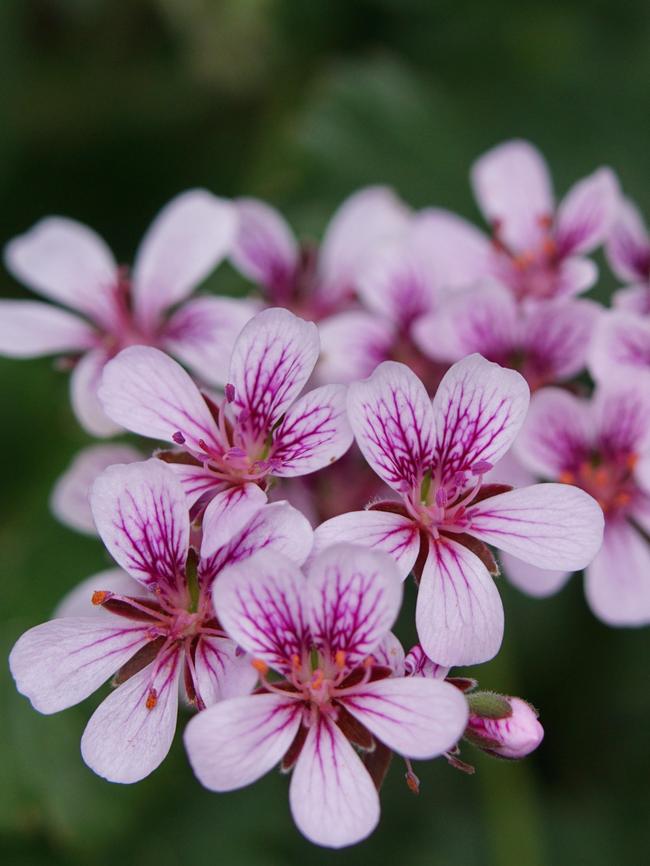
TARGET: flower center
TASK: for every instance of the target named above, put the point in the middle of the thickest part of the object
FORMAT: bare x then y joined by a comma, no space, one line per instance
440,504
610,482
531,273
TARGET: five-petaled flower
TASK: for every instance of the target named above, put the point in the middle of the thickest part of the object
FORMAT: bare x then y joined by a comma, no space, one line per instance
154,625
327,637
69,263
435,457
262,428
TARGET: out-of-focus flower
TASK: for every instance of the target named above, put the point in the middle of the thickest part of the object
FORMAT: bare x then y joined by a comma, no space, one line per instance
620,350
503,726
157,628
69,263
546,343
262,428
435,457
628,253
602,446
323,635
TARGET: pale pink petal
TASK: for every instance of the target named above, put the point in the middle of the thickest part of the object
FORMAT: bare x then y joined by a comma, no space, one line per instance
395,534
628,245
61,662
149,393
390,653
78,602
85,383
553,526
459,614
227,514
458,253
261,604
575,275
352,345
390,414
265,249
634,299
222,670
354,598
142,516
131,731
202,335
362,224
29,329
556,339
272,360
642,473
196,480
67,262
237,741
585,214
622,417
510,470
70,501
418,664
620,350
513,189
617,583
185,242
313,434
333,800
557,433
538,582
415,716
478,410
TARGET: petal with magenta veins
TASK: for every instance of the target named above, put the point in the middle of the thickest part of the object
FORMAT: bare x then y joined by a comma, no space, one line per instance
79,601
85,383
622,418
633,299
352,345
390,653
202,335
59,663
142,517
313,434
237,741
459,614
620,349
538,582
513,189
557,434
149,393
70,499
556,338
395,534
416,717
265,249
222,670
261,603
273,358
227,513
575,275
184,243
458,253
585,214
131,731
333,799
617,583
478,410
390,414
628,245
196,479
29,329
354,598
554,526
67,262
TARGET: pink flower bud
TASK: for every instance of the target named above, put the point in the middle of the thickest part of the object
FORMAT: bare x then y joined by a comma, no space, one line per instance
505,726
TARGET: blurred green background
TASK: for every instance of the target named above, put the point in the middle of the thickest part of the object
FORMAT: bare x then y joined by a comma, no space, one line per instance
109,108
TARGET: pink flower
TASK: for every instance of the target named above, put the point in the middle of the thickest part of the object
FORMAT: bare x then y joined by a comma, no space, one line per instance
325,636
261,429
628,253
435,457
620,350
538,248
68,263
603,447
503,726
546,343
157,627
314,283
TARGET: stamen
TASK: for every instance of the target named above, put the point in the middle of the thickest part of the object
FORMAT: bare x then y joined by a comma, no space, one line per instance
230,392
202,445
178,438
260,666
566,477
411,779
481,467
339,659
100,596
296,664
152,699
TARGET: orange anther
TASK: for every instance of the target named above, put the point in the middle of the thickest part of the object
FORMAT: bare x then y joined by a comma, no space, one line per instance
317,679
566,477
100,596
631,460
152,699
622,498
296,664
601,476
368,662
260,666
339,659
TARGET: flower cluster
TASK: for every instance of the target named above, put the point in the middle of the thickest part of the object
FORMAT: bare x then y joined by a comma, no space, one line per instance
362,416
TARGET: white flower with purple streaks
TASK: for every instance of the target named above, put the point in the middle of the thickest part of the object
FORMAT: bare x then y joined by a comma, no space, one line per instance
262,428
69,263
628,253
435,457
157,626
315,283
537,248
325,636
602,446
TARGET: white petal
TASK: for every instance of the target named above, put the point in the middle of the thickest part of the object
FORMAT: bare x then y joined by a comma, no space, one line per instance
29,329
84,394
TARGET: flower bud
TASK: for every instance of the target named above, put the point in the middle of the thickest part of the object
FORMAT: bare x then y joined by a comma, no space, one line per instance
503,726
